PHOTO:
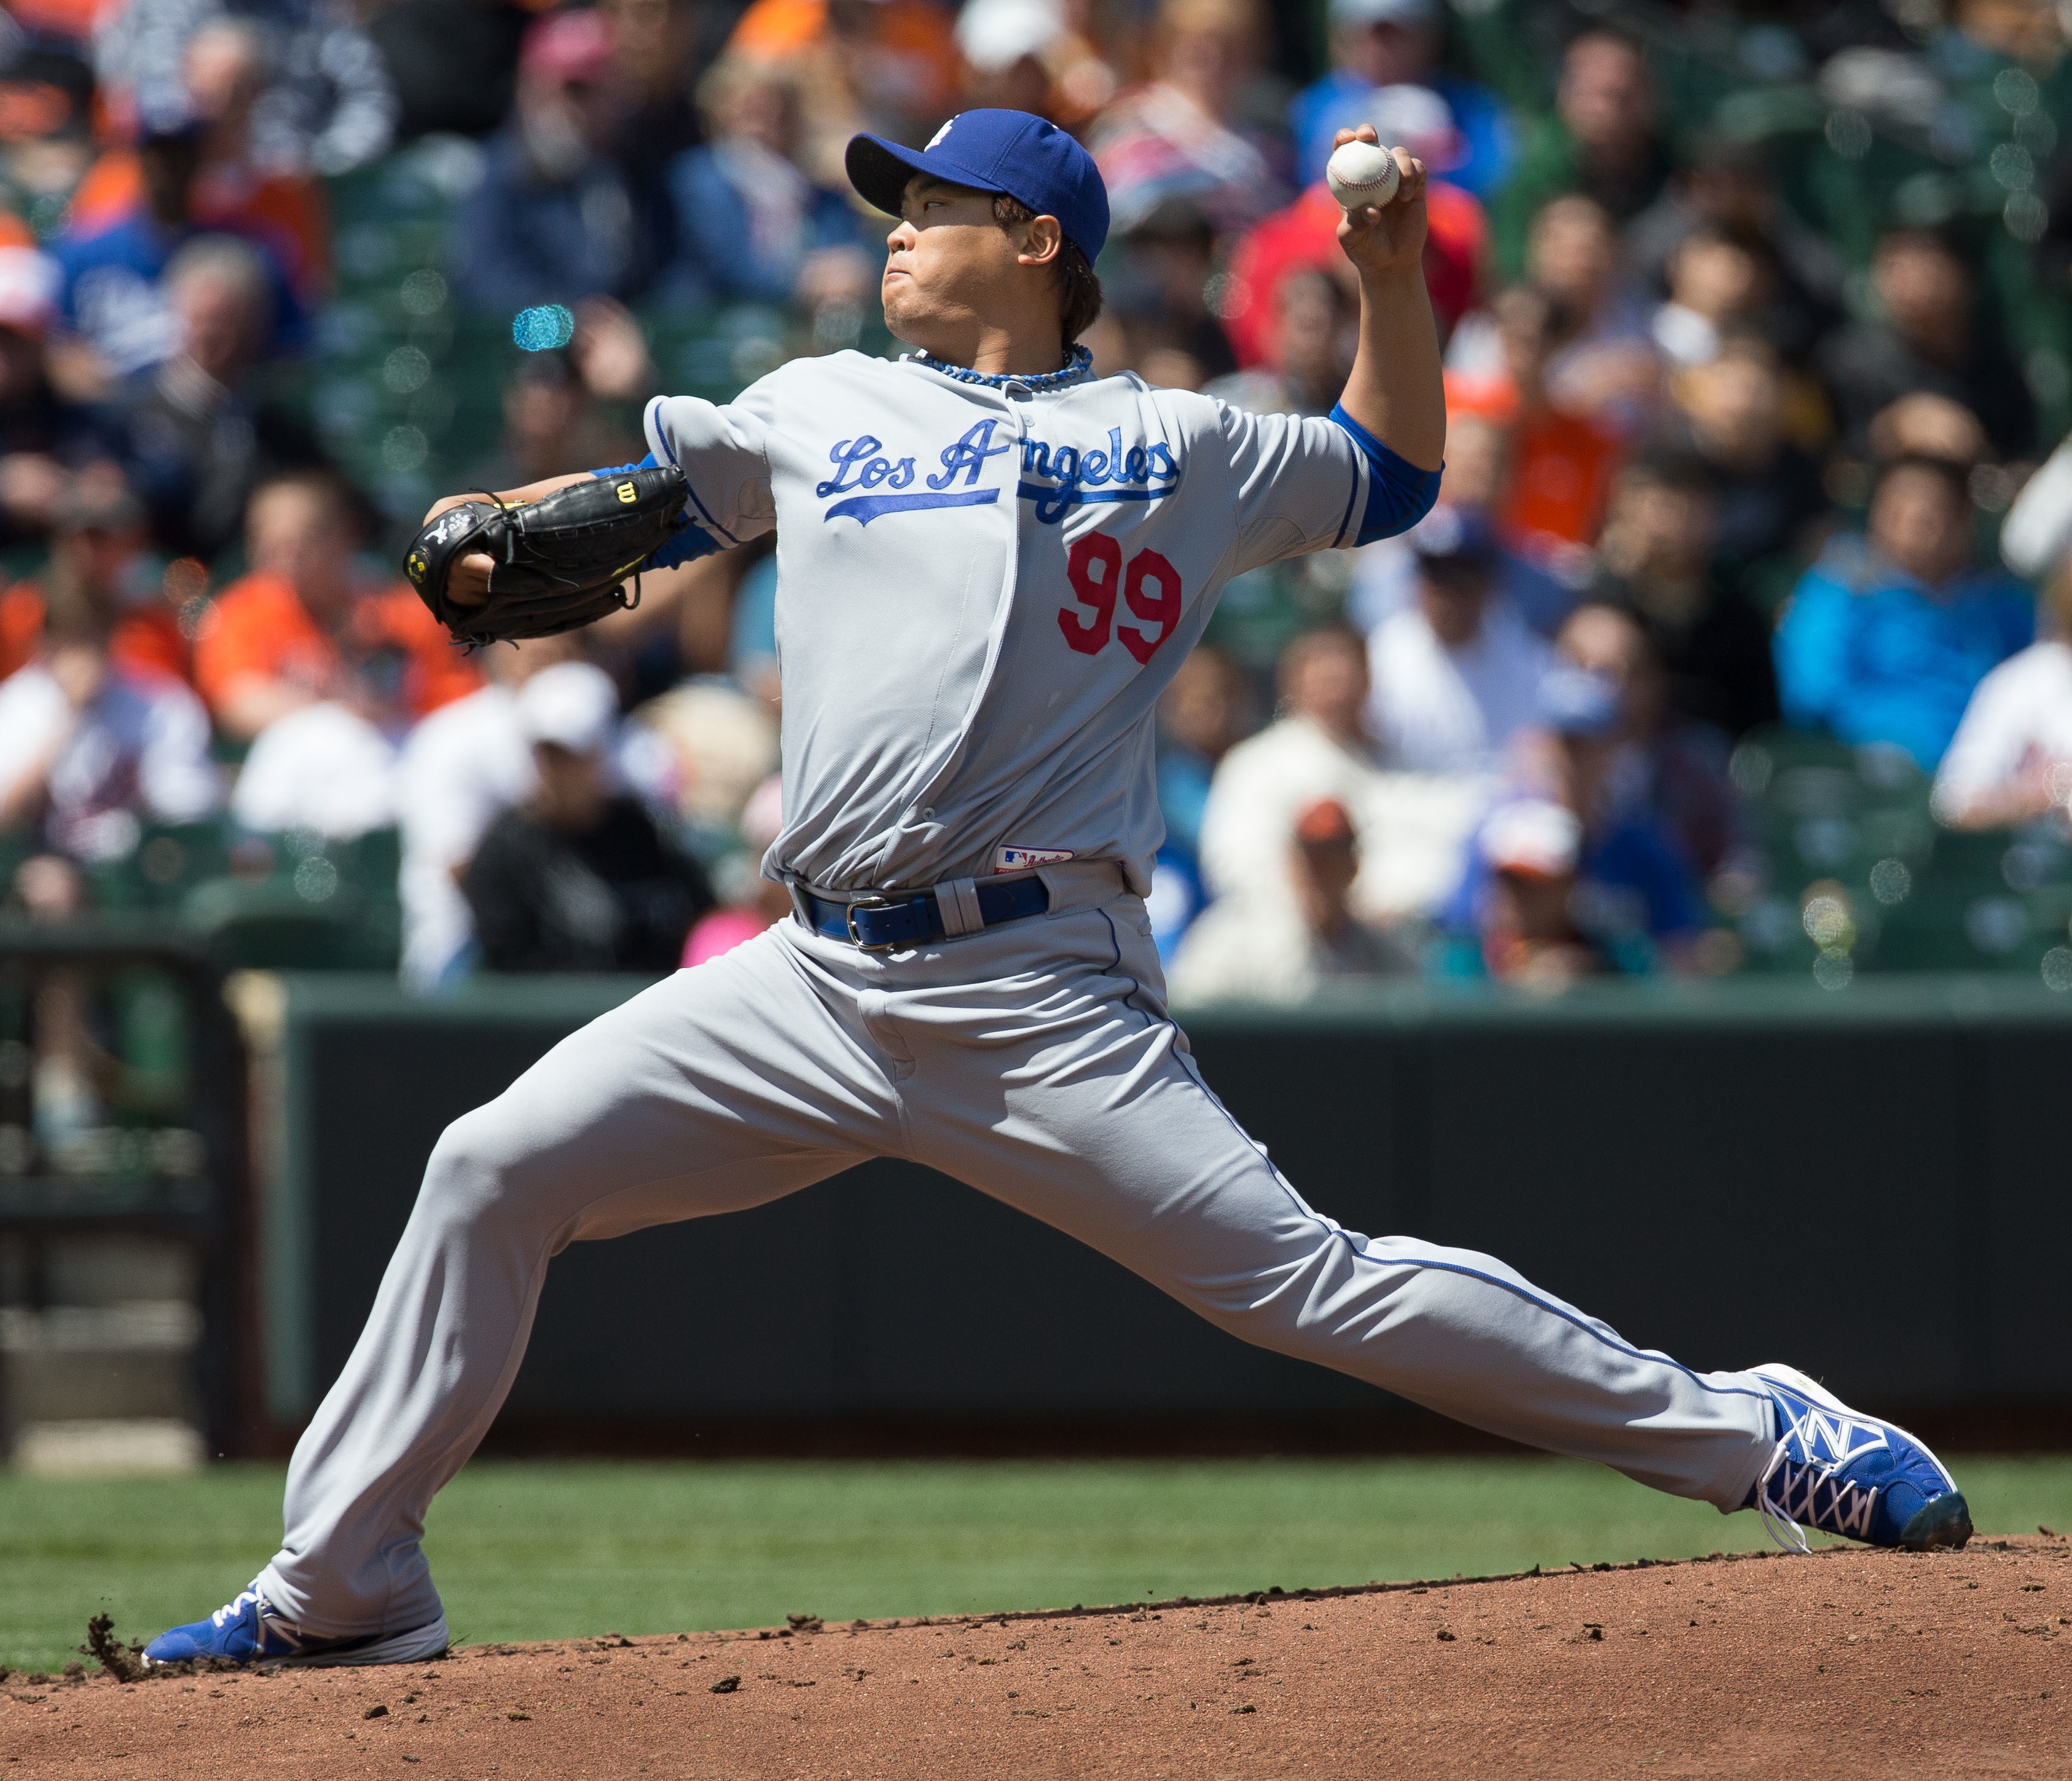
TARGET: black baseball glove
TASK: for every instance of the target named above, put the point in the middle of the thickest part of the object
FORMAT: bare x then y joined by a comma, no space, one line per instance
560,560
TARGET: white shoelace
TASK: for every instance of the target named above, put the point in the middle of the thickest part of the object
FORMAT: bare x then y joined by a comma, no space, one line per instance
231,1609
1851,1509
1787,1534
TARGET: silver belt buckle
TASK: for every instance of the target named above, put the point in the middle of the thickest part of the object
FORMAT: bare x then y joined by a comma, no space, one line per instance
855,939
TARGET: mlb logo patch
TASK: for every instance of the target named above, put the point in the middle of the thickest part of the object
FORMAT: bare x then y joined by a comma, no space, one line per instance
1023,859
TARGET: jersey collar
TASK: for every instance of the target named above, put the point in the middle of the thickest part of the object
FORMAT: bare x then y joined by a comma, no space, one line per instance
1080,368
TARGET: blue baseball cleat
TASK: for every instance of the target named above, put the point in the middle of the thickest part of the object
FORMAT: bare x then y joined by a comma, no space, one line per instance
251,1630
1845,1472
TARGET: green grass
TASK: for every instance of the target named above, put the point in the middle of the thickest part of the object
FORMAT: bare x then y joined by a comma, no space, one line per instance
543,1551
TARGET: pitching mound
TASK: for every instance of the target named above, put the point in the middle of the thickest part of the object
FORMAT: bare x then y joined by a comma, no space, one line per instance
1847,1662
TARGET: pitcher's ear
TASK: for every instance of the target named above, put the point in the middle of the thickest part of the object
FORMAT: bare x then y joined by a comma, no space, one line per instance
1042,243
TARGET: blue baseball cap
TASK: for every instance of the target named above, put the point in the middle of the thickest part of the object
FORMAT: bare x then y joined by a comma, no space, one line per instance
1033,163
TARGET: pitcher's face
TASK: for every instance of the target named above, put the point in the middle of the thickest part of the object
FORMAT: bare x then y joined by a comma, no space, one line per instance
949,261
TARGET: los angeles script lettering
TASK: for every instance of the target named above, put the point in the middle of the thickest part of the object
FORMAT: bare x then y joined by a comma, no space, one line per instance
1069,476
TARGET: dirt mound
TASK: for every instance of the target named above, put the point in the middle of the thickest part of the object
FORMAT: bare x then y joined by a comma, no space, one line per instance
1848,1662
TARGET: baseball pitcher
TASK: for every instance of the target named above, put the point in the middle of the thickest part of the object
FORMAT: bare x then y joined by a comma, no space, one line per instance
990,562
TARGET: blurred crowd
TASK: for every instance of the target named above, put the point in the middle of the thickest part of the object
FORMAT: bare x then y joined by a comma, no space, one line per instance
1756,330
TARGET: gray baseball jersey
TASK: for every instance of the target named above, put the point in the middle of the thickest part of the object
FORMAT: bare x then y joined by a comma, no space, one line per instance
982,591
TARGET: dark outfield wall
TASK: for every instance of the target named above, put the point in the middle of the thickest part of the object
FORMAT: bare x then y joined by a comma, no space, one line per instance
1871,1184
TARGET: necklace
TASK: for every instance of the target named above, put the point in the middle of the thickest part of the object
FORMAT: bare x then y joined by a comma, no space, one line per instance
1082,365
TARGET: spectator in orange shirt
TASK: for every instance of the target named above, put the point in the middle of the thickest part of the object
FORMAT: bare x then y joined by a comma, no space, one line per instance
890,66
280,637
1561,464
98,565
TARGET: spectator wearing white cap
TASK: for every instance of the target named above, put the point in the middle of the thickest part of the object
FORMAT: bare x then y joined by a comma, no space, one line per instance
1034,56
1454,674
1379,43
578,877
1566,859
1530,848
571,706
1004,43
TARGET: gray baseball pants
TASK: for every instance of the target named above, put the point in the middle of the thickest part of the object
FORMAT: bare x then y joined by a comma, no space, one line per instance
1036,1062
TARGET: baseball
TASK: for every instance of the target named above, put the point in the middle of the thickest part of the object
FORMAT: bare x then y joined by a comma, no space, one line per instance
1362,173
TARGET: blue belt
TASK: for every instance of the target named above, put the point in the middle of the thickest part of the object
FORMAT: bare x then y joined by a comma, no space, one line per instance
878,925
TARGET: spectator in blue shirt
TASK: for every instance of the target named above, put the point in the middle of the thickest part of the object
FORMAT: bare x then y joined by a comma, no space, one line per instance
1377,43
750,226
1887,634
112,296
554,220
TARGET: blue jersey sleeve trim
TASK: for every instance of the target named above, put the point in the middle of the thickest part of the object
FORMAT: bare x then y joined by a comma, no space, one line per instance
690,543
1398,493
1345,518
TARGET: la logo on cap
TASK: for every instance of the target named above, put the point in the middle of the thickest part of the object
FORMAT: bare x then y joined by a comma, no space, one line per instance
935,141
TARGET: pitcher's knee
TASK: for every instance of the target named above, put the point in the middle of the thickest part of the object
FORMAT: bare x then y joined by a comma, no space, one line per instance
1311,1289
475,1168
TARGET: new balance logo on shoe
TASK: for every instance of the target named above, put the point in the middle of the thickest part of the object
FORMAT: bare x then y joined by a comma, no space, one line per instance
1836,1440
1838,1470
